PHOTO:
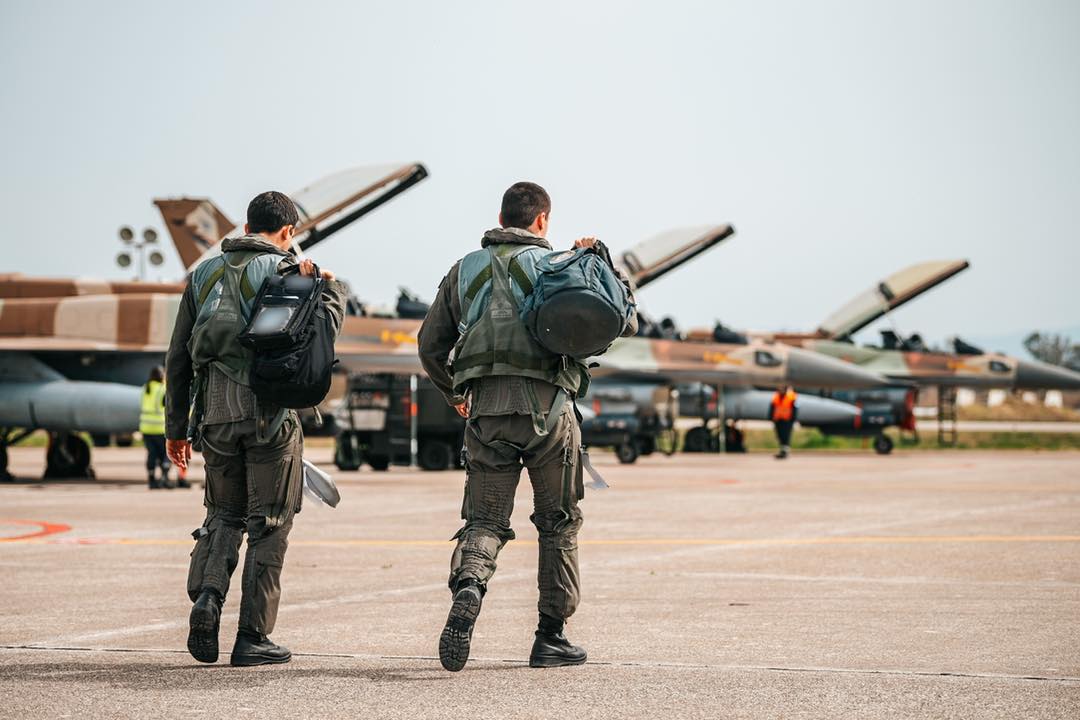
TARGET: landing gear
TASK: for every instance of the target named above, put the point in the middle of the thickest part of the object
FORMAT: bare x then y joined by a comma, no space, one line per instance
700,439
380,463
435,455
883,444
347,454
5,476
68,456
627,452
696,440
100,439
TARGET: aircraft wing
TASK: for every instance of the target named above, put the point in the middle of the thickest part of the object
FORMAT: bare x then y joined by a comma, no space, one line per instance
17,285
889,294
379,345
653,258
754,363
90,323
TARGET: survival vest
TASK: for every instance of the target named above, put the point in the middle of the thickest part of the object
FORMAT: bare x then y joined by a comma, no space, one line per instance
224,288
152,414
492,286
783,406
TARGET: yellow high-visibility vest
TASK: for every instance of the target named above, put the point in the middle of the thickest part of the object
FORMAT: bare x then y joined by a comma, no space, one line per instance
152,416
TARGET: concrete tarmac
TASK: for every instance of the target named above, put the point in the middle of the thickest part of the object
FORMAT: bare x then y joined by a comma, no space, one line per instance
923,584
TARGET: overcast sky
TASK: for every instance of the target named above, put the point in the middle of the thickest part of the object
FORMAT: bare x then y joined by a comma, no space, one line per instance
843,140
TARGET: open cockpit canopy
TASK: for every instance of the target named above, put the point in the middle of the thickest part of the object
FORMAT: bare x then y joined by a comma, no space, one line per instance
338,200
889,294
652,258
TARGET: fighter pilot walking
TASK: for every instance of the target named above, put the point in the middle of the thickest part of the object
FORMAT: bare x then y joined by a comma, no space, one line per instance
513,392
252,452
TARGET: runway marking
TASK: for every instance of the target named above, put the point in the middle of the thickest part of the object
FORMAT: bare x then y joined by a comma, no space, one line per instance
45,528
597,663
824,540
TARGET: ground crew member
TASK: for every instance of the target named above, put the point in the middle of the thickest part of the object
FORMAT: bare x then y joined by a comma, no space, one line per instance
252,452
152,429
513,393
783,412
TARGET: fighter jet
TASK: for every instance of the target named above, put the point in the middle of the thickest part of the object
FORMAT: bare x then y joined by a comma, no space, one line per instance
73,353
907,360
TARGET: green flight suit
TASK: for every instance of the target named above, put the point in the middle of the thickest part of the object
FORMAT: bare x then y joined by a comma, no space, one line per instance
500,439
252,460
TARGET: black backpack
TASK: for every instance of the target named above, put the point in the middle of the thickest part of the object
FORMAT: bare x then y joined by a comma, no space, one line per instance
292,336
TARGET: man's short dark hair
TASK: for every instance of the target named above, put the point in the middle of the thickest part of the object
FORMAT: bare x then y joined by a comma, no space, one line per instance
522,203
270,211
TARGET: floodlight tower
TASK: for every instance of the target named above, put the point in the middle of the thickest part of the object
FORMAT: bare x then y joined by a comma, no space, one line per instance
149,238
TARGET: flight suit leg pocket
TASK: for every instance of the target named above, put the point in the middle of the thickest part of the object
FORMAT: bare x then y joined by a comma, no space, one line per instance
200,554
267,486
466,508
579,479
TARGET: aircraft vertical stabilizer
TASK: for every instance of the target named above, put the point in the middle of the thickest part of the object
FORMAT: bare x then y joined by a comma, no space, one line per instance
195,224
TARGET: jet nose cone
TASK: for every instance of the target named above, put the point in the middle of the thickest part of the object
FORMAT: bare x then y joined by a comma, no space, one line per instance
1035,375
813,370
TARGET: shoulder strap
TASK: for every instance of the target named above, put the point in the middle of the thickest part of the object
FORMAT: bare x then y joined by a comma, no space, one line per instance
247,290
517,273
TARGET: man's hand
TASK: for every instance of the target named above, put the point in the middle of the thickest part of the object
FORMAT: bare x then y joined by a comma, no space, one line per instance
307,269
585,242
179,451
463,409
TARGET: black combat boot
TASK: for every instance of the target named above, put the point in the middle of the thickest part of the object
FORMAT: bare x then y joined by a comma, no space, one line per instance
182,482
252,648
152,482
202,641
551,648
457,635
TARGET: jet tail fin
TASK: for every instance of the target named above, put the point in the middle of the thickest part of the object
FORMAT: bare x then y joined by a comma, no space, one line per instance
195,224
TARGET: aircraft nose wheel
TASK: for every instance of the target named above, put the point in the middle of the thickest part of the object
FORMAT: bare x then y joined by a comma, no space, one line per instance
627,452
435,455
68,456
696,440
883,444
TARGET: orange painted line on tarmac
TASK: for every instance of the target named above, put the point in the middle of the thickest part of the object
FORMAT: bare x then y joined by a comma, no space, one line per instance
45,528
35,539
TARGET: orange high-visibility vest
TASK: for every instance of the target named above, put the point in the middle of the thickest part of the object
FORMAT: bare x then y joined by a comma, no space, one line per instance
783,406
